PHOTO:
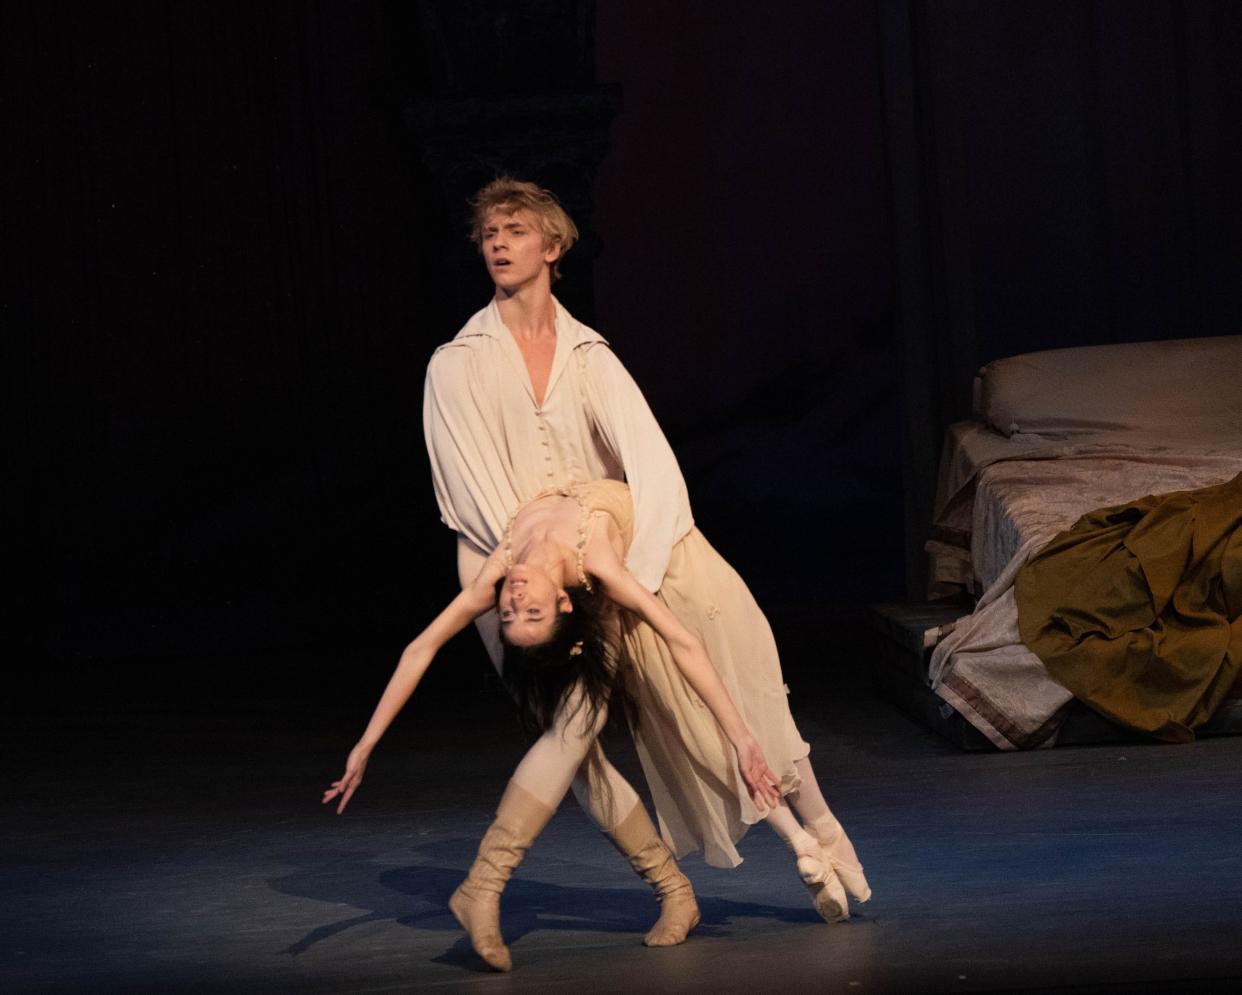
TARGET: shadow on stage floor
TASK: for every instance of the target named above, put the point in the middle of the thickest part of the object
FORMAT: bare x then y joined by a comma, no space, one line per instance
177,844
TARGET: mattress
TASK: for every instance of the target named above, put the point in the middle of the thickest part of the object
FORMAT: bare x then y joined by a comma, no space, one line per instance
1014,506
1028,502
996,494
1055,435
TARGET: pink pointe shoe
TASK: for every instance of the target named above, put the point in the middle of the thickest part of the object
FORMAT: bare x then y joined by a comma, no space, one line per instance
826,891
836,851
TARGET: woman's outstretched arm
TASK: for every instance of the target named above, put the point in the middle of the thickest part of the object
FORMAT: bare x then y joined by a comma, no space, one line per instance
472,602
692,660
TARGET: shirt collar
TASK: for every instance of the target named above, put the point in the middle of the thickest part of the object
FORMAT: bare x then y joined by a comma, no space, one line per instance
487,322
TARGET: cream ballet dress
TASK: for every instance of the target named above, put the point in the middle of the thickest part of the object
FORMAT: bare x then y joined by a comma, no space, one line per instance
690,765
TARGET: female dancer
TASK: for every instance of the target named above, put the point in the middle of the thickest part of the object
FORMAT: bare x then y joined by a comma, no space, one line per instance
557,579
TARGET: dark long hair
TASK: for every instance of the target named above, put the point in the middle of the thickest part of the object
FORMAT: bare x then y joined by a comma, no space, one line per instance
580,667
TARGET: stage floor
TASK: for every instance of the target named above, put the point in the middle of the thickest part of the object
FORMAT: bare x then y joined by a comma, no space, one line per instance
167,848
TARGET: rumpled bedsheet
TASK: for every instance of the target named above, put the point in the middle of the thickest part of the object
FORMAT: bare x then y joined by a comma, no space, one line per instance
1052,483
982,669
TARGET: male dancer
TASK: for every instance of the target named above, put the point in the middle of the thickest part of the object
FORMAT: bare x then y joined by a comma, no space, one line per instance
507,413
525,399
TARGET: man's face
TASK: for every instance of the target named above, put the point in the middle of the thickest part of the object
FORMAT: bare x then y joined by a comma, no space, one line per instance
514,250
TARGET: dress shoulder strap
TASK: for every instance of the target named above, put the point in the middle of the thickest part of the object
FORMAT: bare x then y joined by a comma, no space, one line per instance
584,522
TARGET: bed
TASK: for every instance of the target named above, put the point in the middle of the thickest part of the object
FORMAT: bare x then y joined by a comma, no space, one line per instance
1055,435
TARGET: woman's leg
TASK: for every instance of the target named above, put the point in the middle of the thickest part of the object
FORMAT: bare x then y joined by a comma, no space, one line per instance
836,845
786,826
808,799
826,891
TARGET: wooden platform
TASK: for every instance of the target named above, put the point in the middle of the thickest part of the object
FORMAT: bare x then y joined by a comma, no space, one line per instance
899,668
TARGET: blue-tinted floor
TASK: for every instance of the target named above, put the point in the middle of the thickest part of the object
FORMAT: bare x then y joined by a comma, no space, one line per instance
164,848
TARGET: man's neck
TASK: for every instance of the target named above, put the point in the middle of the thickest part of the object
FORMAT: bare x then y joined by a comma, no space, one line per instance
529,313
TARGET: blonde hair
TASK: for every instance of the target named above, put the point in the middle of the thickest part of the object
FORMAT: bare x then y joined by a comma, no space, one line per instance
509,196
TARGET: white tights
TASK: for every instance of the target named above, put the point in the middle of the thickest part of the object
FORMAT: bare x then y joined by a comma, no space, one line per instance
809,802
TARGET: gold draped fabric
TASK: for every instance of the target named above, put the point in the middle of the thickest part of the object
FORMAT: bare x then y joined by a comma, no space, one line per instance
1137,609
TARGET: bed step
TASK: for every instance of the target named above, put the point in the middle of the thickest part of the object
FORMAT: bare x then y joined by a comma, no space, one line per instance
904,637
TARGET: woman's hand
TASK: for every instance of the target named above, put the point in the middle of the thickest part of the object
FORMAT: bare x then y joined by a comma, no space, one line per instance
760,780
351,779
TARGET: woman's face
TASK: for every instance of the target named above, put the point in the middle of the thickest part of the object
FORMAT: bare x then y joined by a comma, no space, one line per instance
528,606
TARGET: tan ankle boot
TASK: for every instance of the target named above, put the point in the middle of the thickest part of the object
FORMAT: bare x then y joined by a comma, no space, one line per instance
475,904
837,850
641,845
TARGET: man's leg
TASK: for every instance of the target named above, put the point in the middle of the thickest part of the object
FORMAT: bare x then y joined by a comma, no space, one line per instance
534,792
475,904
569,753
602,801
557,761
620,814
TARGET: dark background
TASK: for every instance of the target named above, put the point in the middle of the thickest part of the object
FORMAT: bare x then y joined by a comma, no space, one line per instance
235,233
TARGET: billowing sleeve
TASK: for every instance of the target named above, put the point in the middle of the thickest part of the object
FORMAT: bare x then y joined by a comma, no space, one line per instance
661,504
473,488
